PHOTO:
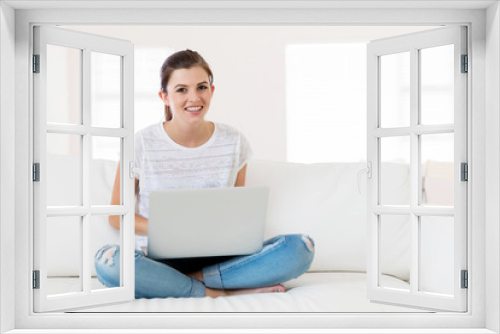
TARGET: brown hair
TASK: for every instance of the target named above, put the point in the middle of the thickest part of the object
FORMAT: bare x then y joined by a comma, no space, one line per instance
181,60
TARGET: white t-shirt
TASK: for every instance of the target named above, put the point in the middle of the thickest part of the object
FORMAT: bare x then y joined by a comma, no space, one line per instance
168,165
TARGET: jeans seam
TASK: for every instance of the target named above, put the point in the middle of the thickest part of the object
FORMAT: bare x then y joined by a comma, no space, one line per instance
282,240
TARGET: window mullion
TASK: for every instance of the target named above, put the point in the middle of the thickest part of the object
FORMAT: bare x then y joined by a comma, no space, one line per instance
415,182
86,159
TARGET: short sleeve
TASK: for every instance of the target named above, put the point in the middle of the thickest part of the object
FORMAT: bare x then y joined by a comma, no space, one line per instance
246,152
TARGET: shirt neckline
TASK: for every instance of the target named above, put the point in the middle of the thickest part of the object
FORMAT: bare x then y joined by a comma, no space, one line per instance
206,144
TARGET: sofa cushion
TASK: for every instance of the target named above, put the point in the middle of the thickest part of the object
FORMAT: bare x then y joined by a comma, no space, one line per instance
312,292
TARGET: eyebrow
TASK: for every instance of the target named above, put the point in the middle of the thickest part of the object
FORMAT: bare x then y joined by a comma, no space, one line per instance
182,85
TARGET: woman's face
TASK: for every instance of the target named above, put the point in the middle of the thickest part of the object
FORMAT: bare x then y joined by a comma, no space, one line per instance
188,94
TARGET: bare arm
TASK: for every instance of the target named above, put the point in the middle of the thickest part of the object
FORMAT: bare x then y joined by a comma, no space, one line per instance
141,223
240,178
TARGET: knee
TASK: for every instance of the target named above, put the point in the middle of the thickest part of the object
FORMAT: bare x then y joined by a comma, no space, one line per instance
303,249
302,242
309,242
107,255
107,265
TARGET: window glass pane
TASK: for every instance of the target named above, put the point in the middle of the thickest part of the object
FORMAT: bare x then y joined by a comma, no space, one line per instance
102,233
437,169
395,90
106,152
395,170
64,85
64,170
146,85
437,85
437,254
395,244
105,92
326,103
64,255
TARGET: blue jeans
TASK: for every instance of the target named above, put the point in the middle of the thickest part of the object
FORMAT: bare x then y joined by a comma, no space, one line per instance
281,258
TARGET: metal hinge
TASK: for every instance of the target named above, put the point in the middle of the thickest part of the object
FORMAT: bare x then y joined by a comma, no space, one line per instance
464,171
36,63
465,64
36,172
465,279
36,279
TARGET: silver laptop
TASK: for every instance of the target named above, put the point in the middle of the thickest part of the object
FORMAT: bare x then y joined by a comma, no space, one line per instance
186,223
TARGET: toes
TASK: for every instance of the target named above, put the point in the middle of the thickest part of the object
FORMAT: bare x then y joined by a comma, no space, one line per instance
280,288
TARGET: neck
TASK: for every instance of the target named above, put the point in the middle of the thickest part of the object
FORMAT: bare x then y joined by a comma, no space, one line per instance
189,135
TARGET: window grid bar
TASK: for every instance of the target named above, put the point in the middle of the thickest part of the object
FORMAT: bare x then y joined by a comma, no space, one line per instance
85,273
82,211
418,211
379,252
86,129
414,170
417,129
85,247
122,176
122,260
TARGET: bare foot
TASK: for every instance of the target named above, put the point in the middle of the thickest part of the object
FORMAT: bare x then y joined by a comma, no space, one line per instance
279,288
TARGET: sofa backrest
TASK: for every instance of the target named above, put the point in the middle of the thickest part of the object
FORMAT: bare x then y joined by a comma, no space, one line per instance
323,201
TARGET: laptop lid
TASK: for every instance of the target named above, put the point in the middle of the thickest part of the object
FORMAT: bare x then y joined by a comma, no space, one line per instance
203,222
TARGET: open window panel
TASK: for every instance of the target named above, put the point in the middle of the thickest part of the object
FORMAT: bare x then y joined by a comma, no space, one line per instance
417,140
83,111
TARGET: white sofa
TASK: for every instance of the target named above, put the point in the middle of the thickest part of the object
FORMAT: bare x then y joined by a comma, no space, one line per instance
321,200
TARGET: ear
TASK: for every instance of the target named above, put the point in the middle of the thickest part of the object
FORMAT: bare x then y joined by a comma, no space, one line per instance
213,89
164,97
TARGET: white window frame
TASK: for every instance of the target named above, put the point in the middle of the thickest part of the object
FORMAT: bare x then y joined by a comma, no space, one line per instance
484,171
124,52
413,44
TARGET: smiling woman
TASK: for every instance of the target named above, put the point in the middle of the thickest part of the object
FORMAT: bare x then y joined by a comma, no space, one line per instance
187,151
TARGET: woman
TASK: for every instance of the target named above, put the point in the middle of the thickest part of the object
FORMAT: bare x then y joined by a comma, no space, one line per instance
187,151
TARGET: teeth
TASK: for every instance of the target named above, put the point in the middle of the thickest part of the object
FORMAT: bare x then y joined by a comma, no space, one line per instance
194,109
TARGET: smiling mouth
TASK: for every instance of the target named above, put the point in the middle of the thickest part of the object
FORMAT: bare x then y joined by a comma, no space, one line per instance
194,109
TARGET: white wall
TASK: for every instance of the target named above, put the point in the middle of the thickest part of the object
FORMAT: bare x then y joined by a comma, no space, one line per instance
248,63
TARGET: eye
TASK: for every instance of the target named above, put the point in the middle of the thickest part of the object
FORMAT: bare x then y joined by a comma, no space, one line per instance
203,87
181,90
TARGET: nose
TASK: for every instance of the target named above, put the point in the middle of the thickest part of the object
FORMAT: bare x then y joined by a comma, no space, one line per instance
193,96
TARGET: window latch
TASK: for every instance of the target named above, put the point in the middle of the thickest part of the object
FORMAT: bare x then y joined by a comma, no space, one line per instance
367,170
142,177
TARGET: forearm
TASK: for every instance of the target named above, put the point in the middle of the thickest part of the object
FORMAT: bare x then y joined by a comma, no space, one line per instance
141,224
